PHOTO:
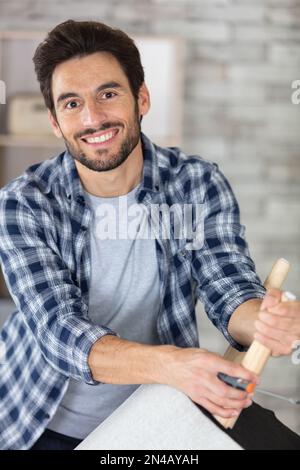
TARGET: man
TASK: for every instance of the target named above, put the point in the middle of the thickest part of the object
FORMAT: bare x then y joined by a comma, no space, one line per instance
96,317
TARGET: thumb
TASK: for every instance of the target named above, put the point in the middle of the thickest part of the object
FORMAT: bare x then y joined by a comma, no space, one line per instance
272,298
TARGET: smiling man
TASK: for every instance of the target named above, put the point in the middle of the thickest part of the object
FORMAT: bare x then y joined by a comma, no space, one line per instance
97,317
99,122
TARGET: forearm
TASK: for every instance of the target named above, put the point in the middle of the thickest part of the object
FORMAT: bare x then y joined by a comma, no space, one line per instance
192,371
117,361
241,325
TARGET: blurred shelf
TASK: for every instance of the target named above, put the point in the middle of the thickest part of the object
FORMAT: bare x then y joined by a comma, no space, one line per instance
7,140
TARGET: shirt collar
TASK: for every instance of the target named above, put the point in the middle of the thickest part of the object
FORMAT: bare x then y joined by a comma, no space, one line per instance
150,179
71,178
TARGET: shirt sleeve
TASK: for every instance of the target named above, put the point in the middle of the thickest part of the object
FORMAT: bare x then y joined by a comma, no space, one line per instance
44,292
223,269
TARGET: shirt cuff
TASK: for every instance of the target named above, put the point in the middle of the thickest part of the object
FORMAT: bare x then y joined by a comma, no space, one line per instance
82,350
233,303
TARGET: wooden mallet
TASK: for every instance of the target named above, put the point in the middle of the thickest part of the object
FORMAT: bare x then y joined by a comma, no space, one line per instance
257,355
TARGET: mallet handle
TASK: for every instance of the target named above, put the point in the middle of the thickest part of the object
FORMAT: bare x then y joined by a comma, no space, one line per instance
257,355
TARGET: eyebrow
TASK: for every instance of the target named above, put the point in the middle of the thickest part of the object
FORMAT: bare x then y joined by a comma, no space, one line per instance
72,94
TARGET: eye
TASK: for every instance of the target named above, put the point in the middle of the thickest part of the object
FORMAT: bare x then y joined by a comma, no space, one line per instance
70,104
109,93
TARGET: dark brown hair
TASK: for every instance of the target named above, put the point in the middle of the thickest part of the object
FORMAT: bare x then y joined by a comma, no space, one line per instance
79,38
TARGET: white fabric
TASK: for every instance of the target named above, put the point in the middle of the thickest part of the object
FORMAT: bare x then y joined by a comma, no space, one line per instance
158,417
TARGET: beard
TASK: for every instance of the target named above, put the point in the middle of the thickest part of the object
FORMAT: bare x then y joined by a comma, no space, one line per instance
104,159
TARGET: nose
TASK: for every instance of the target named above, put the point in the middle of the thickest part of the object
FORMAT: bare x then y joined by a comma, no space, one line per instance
92,114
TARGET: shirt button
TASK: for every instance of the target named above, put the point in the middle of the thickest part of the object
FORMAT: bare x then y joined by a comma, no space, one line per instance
80,199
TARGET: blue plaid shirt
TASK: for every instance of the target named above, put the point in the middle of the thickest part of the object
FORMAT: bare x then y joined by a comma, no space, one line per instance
45,257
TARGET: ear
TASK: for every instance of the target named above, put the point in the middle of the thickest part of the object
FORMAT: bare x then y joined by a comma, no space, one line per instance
54,125
144,100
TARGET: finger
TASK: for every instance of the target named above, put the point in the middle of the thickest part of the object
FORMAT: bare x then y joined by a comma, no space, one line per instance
283,337
222,390
235,370
269,331
284,324
217,410
272,297
277,348
229,403
286,309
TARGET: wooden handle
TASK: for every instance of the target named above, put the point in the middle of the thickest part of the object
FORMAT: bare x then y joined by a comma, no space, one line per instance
257,355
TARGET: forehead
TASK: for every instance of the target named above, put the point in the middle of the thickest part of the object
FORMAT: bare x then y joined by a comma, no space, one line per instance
80,73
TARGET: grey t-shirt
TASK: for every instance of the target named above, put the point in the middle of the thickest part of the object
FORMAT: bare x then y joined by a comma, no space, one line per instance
124,295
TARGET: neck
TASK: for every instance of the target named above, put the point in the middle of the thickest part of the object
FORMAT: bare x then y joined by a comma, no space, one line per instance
116,182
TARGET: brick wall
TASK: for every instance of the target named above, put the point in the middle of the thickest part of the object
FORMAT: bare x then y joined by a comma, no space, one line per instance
240,59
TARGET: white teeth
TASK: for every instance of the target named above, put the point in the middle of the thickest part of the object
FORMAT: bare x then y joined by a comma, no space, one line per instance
101,138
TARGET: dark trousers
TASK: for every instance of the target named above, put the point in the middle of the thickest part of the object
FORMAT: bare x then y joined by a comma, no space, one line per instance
51,440
256,429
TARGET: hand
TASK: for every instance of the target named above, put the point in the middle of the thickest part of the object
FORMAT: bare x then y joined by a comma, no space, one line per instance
194,372
278,324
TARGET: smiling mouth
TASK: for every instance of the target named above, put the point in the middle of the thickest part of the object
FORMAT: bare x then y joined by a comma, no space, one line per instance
101,139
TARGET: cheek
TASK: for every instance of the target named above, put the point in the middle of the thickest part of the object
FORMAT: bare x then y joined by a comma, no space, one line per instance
69,125
69,130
